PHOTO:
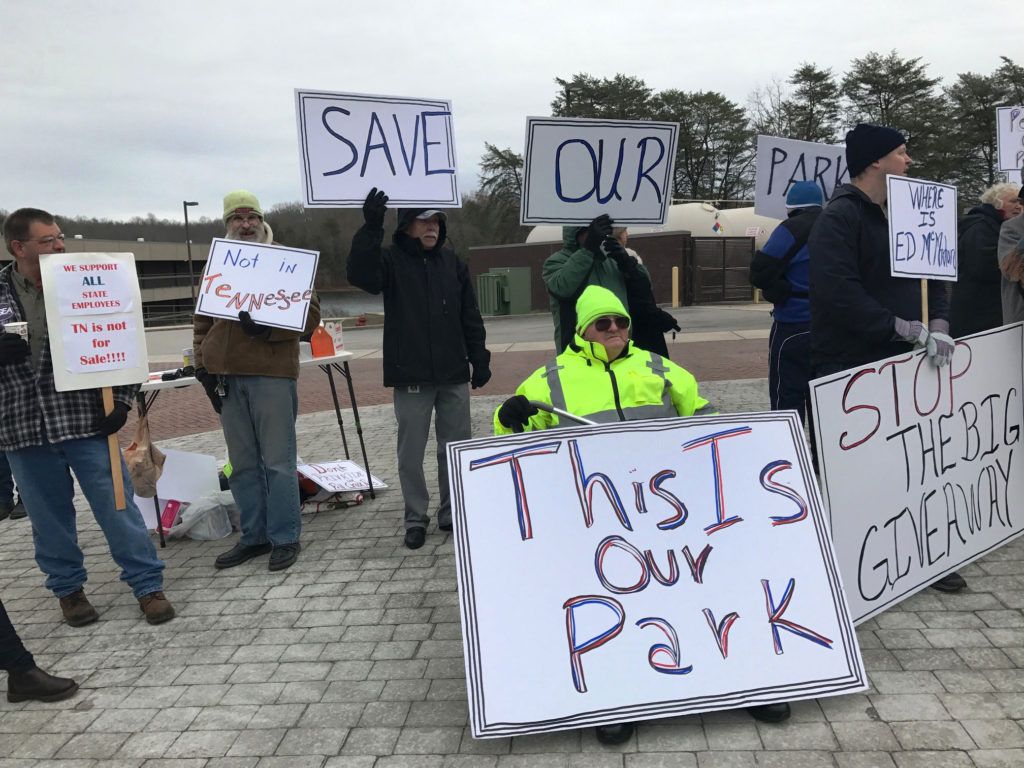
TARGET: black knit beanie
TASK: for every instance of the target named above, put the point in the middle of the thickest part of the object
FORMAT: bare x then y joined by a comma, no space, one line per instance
867,143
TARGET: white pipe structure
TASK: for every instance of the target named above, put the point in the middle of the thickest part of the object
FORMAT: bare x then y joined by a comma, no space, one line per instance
559,412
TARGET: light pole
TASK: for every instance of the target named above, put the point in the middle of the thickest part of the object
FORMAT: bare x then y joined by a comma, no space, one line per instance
188,244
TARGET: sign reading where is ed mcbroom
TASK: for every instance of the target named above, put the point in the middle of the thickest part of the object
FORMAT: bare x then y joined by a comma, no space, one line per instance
644,569
272,283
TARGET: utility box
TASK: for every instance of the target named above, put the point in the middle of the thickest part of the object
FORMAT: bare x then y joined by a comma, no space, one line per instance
492,293
518,288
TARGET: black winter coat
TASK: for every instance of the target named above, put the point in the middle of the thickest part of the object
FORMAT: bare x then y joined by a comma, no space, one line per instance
853,296
432,324
976,304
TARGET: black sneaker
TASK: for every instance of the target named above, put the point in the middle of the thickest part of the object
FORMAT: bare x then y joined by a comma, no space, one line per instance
5,509
954,582
616,733
770,713
283,555
446,527
414,537
240,553
19,511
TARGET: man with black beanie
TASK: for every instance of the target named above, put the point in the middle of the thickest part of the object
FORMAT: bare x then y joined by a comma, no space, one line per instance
860,313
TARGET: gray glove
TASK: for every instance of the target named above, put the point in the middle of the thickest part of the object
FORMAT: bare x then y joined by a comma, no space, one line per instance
911,331
940,344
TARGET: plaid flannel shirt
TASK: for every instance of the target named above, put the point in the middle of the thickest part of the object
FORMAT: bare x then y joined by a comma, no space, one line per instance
32,411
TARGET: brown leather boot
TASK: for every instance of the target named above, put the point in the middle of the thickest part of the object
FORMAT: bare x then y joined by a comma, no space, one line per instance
156,607
77,609
36,685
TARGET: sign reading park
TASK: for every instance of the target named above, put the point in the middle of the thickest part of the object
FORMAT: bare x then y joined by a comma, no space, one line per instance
917,464
576,169
1010,138
94,317
644,569
922,228
351,142
781,163
272,283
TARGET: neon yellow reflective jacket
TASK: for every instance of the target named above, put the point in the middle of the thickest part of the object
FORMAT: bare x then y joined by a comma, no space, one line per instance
636,385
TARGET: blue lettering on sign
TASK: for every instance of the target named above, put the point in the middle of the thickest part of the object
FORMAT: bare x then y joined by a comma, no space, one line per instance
339,137
428,144
597,163
377,140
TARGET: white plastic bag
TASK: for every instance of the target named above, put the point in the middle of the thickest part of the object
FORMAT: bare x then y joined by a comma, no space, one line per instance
205,519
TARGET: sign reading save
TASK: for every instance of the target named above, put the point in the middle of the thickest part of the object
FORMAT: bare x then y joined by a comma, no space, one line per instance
272,283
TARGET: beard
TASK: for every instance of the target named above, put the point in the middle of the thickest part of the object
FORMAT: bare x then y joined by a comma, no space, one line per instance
233,233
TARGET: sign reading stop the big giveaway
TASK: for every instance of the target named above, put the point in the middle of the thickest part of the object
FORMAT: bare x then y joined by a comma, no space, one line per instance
94,316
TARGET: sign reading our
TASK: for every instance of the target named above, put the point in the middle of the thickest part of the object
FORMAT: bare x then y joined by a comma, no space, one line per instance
781,163
917,464
351,142
640,570
1010,137
272,283
576,169
922,228
94,316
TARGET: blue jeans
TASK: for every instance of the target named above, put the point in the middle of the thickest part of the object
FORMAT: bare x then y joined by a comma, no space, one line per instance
6,481
46,488
258,417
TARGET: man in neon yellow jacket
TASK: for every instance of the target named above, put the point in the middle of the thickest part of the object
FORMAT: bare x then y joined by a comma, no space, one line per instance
602,376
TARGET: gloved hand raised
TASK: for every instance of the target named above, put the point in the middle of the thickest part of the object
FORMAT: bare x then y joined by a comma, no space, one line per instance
109,423
515,412
13,348
209,382
597,231
626,263
374,208
911,331
251,328
481,375
940,343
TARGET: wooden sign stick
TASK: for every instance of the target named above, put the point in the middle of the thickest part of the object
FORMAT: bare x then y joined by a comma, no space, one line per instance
924,302
115,453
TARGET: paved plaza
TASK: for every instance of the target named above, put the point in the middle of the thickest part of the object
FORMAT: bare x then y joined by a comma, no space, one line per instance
352,658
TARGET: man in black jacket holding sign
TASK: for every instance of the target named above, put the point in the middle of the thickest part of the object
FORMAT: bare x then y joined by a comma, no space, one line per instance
433,332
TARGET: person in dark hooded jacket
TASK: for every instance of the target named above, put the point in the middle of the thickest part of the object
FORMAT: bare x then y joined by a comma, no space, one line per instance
433,335
976,303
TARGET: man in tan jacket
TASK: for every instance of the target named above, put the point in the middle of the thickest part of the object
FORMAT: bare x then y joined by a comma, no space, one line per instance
249,372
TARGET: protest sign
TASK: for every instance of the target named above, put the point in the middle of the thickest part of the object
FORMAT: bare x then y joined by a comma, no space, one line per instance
781,163
640,570
576,169
1010,138
272,283
94,317
338,476
922,228
352,142
917,464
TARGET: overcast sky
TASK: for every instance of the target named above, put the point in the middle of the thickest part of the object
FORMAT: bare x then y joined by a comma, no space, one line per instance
127,108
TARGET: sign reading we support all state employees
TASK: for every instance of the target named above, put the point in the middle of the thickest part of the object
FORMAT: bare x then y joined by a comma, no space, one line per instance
922,228
1010,138
781,163
272,283
352,142
640,570
576,169
921,468
94,320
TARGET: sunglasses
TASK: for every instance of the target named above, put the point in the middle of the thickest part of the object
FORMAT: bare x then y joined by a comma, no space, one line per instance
604,323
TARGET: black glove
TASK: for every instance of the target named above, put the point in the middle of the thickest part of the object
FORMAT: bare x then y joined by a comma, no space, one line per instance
626,263
209,382
111,422
667,322
516,412
13,348
253,329
481,375
374,208
599,229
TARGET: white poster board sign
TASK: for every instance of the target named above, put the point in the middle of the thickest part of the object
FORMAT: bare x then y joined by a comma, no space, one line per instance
187,477
352,142
781,163
922,228
1010,138
917,465
640,570
339,476
576,169
272,283
94,320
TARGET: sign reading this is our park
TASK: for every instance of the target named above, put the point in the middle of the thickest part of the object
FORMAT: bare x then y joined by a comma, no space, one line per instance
350,143
922,228
781,163
94,316
576,169
639,570
272,283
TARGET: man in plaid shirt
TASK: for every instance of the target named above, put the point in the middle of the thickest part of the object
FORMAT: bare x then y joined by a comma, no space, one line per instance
48,434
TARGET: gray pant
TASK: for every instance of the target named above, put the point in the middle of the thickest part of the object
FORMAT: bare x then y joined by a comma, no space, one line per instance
413,407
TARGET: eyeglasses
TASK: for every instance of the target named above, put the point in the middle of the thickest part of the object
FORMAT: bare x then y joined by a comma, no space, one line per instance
604,323
48,240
